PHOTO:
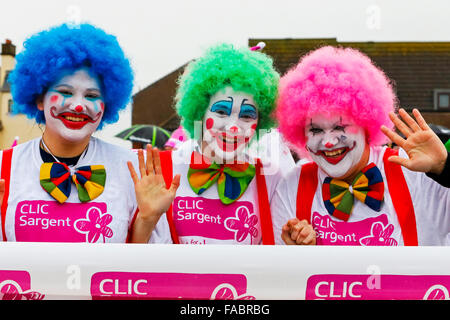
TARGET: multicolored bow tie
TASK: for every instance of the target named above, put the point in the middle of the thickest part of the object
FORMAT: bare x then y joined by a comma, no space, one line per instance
232,179
367,187
89,180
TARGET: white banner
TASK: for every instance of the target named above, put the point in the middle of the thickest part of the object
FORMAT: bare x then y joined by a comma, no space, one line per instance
111,271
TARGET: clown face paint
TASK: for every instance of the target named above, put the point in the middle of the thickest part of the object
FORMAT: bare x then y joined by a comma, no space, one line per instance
335,144
73,106
229,124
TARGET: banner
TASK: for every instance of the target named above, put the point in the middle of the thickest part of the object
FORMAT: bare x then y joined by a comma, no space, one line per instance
35,271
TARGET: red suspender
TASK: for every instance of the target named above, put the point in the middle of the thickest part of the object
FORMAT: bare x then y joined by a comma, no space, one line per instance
167,171
264,207
401,198
6,175
398,189
263,200
306,190
128,240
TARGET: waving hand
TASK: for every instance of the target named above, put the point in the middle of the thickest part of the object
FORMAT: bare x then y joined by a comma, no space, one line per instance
425,150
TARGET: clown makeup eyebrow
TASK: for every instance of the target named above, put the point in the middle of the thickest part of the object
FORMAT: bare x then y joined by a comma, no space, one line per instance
314,129
340,126
64,85
313,125
223,106
71,87
248,110
93,89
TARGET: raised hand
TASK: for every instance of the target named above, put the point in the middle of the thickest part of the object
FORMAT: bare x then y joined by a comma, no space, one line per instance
153,198
296,232
425,150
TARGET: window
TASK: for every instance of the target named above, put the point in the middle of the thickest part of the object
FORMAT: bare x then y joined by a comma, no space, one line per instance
10,104
442,99
5,87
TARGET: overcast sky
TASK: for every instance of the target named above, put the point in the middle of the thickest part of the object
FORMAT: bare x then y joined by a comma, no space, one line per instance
159,36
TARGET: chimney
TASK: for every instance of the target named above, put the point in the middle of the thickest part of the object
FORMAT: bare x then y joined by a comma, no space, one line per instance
8,48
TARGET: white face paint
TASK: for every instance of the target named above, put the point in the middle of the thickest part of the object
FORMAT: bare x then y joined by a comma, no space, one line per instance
73,106
335,144
229,124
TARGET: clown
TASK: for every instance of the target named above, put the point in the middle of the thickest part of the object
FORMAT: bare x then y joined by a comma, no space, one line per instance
68,186
336,108
224,98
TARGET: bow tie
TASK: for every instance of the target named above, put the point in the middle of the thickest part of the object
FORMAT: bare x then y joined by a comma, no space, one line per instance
232,179
89,180
367,187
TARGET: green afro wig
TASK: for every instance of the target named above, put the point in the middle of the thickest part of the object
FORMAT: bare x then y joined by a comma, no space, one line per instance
221,66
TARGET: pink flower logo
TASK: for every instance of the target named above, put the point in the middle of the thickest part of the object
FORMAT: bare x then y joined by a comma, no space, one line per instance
437,292
380,236
95,225
243,225
226,291
11,290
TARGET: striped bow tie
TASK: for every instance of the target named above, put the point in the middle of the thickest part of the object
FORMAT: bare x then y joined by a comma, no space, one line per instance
367,187
232,179
89,180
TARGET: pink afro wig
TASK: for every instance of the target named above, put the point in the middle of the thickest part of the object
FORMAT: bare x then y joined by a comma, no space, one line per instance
333,81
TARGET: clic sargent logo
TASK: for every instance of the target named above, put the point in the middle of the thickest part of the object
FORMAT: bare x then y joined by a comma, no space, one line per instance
359,287
140,285
43,221
16,285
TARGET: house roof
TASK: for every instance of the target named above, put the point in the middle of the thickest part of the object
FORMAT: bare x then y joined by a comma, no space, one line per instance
417,68
155,104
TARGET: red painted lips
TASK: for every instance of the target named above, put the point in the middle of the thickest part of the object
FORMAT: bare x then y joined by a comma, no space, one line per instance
229,143
336,155
74,121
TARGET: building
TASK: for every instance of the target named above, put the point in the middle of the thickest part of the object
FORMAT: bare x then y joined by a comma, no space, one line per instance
12,126
156,103
420,72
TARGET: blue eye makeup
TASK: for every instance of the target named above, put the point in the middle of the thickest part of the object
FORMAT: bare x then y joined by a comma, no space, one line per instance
248,111
92,99
223,107
93,94
65,93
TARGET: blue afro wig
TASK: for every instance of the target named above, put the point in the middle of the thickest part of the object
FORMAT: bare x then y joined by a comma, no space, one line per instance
52,53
